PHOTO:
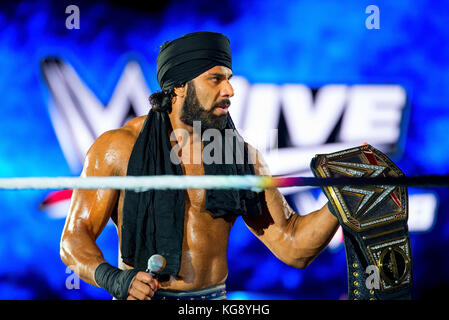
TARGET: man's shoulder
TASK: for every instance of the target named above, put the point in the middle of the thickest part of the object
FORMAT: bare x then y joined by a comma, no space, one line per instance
122,137
134,125
113,147
260,166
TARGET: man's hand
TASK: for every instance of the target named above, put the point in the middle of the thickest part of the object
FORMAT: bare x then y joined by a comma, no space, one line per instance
143,287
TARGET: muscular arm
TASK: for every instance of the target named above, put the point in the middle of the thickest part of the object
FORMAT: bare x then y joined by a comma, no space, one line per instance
90,210
294,239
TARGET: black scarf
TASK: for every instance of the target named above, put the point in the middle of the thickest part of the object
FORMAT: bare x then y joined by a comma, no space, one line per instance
153,221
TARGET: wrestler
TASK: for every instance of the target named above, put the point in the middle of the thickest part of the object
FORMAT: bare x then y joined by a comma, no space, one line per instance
190,228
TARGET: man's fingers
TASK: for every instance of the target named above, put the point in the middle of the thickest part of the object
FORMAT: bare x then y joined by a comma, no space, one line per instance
130,297
144,288
147,278
144,276
139,294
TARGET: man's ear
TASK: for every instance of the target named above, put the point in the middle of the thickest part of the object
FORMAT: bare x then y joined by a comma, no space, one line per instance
180,91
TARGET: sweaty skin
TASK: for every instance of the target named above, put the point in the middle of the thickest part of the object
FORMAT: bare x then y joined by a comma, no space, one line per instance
294,239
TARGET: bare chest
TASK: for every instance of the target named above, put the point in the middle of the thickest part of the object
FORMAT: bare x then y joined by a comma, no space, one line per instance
202,231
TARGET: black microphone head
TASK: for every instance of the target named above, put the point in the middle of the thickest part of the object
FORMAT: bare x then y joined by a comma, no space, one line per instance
156,264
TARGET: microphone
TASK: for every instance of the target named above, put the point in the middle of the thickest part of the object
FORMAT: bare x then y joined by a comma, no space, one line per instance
156,264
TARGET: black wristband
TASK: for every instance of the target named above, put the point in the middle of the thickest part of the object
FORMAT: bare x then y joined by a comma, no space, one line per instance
114,280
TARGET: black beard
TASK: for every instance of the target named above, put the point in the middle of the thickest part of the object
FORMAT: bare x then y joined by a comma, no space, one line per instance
192,110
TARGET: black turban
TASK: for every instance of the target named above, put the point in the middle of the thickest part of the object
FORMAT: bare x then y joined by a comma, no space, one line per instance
187,57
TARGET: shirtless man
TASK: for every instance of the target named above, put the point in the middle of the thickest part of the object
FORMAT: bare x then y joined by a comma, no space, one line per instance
294,239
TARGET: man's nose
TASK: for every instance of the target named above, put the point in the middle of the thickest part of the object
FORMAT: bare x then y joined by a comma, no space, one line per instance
227,90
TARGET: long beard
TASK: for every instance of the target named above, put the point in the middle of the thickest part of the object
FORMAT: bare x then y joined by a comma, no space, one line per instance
192,110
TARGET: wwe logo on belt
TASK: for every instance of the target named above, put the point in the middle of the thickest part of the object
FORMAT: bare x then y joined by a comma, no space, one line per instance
359,170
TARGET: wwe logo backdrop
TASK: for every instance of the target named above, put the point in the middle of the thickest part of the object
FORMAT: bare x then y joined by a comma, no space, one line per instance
296,123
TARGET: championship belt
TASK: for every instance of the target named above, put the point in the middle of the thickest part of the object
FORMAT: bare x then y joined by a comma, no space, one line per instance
374,223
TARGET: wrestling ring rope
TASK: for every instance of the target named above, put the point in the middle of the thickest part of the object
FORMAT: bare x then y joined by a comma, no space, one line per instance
251,182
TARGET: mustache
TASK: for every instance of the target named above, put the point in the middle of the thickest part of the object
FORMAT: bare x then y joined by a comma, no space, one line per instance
222,103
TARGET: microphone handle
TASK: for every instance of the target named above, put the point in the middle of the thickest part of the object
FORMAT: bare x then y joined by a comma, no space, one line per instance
154,274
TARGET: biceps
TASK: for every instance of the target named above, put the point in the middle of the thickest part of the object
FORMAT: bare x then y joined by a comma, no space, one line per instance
278,206
276,218
91,210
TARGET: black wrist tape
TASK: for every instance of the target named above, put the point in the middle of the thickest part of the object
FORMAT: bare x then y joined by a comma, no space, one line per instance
114,280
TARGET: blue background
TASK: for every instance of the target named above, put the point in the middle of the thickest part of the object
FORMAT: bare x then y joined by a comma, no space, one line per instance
309,42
